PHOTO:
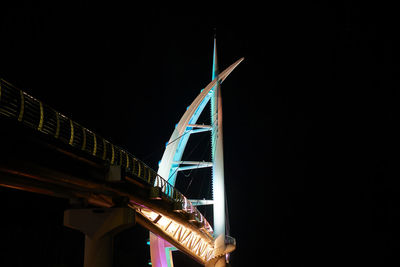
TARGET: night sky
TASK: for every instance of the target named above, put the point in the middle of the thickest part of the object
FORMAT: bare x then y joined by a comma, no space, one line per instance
310,116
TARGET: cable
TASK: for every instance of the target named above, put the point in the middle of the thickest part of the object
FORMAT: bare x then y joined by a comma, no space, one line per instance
176,169
178,137
202,156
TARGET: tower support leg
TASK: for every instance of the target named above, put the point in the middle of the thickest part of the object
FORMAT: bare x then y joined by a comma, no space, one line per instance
221,262
217,262
99,225
219,251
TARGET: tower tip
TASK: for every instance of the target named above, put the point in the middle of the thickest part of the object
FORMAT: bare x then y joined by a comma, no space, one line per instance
215,64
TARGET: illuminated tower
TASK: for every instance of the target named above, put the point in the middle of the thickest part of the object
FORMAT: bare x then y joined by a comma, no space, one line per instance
217,153
171,162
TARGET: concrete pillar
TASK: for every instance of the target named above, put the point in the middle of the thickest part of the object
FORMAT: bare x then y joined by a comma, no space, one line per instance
99,225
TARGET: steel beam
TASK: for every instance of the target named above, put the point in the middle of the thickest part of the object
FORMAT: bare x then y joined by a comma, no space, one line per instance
201,202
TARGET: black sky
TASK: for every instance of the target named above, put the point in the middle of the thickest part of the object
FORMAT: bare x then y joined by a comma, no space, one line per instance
310,117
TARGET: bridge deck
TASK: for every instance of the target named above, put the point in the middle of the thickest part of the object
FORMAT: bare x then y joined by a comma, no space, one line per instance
46,152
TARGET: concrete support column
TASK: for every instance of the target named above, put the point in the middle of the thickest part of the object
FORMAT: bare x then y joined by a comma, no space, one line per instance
98,251
99,225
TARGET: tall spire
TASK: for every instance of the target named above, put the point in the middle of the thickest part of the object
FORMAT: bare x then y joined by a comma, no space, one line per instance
215,63
217,153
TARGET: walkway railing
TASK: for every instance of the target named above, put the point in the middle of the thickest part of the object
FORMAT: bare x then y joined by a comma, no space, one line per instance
181,202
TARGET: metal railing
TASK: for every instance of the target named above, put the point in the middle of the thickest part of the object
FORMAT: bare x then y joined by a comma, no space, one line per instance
18,105
184,204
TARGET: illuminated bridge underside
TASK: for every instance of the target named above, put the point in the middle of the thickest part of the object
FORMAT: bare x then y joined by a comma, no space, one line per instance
160,207
186,238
